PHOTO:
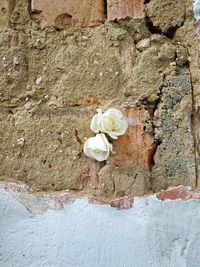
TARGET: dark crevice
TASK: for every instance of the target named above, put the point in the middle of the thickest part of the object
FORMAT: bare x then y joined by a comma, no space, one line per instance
155,29
195,118
132,183
171,32
157,142
194,126
10,111
151,155
151,107
146,1
114,189
105,9
78,138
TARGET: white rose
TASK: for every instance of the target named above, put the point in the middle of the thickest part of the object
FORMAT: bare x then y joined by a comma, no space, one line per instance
97,147
111,122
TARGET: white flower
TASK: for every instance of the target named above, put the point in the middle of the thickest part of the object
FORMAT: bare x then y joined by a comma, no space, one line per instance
97,147
111,122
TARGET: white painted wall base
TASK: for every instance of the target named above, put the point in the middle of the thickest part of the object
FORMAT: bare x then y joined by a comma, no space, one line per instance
153,233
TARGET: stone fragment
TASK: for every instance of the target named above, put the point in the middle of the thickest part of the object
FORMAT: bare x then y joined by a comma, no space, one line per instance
148,73
143,44
61,14
166,15
182,55
122,9
123,203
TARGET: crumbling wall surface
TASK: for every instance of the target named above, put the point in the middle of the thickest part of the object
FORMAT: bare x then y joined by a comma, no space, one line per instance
59,62
58,66
196,117
157,231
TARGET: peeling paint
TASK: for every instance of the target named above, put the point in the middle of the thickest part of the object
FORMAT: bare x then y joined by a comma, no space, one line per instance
153,233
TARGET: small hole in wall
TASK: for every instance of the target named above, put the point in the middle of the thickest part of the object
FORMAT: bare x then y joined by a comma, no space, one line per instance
63,20
153,29
4,10
53,184
146,1
50,166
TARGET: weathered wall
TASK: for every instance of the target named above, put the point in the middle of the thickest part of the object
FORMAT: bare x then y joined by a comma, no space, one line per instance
60,60
56,70
153,233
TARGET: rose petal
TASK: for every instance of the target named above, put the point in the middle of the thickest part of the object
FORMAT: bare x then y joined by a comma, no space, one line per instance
99,156
115,112
97,147
99,142
94,123
109,145
123,127
112,135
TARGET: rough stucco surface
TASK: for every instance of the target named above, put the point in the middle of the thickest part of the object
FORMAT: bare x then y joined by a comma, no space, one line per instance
163,233
76,211
56,76
73,211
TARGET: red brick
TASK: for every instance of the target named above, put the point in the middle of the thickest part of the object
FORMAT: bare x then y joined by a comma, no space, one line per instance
120,9
89,101
123,203
135,147
180,192
63,13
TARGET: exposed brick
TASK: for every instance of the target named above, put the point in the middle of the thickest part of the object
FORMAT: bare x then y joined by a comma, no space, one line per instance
135,147
63,13
180,192
120,9
89,101
123,203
